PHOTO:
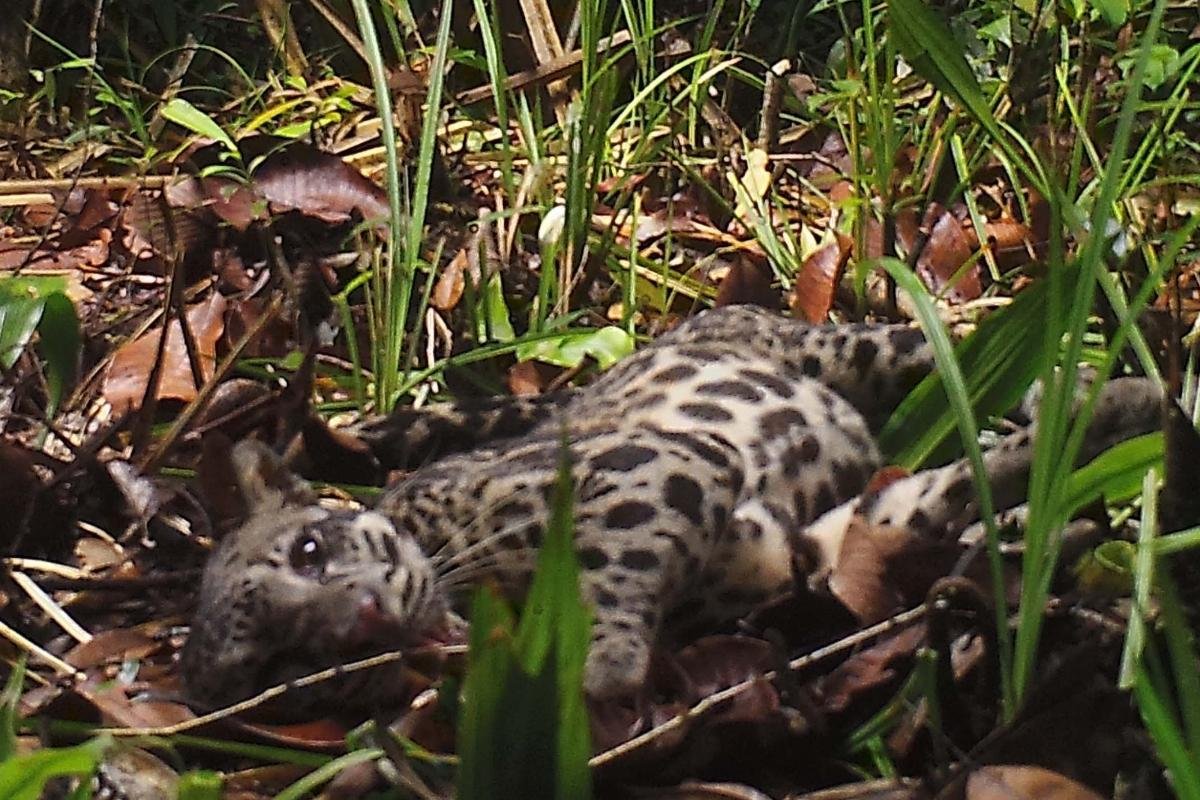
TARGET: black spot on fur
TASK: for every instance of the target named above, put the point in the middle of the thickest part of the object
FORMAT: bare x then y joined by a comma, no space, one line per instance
639,559
780,422
720,515
676,541
800,506
697,352
675,373
685,496
701,448
706,412
847,478
513,508
606,599
800,453
736,389
864,355
919,522
593,558
958,491
825,500
782,388
629,514
839,341
625,457
533,534
905,340
811,366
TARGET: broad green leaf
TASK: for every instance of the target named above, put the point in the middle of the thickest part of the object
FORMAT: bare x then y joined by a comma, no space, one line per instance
607,345
24,777
181,112
1113,11
39,304
1116,474
59,345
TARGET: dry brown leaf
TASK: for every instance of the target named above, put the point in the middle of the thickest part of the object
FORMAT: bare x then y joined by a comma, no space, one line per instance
116,707
950,245
525,379
1024,782
749,284
1011,242
125,384
450,284
113,646
300,177
816,283
867,669
859,579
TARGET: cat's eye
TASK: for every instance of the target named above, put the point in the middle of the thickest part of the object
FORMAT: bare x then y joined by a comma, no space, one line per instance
307,555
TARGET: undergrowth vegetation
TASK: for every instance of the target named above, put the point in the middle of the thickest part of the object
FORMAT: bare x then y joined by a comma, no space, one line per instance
1020,179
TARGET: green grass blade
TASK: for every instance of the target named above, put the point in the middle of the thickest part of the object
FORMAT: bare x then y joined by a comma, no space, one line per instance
999,359
960,401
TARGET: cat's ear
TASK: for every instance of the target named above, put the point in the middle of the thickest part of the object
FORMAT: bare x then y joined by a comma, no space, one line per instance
265,481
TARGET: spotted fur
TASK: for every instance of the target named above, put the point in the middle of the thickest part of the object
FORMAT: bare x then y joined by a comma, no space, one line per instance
699,462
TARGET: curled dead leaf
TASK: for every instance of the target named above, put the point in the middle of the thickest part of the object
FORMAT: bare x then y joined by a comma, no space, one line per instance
951,245
816,283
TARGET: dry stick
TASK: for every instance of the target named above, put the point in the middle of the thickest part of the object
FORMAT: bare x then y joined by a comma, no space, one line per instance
546,48
33,185
768,123
52,609
258,699
37,652
154,457
547,72
343,30
277,23
146,409
714,701
175,76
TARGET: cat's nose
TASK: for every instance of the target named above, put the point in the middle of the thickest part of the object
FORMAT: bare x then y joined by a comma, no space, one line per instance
374,623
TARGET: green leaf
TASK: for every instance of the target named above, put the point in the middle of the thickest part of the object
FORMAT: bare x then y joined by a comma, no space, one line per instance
933,52
59,345
181,112
9,699
39,304
607,345
493,323
489,662
523,725
24,777
999,360
1116,474
1113,11
200,785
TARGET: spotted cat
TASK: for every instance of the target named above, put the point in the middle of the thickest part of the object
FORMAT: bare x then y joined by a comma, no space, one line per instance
702,463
